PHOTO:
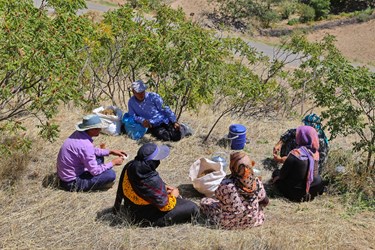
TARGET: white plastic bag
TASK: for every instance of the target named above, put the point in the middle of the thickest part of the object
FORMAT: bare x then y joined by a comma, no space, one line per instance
113,121
206,176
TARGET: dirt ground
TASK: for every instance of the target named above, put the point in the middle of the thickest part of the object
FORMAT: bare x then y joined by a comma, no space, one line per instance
356,42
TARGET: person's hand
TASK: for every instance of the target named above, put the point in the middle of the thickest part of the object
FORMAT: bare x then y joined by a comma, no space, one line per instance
173,191
277,148
146,124
176,125
169,189
120,153
278,158
118,161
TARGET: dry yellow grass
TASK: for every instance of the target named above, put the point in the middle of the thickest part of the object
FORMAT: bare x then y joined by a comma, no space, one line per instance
35,217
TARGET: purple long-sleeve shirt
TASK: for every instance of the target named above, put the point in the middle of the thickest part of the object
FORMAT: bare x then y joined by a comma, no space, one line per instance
151,109
77,155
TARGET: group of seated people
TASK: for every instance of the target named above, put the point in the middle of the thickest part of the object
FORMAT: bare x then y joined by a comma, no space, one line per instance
240,197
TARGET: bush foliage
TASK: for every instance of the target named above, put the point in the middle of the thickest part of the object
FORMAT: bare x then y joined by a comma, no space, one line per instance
271,11
307,13
348,176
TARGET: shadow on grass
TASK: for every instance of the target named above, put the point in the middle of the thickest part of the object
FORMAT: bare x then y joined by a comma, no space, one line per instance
119,219
51,181
189,192
270,164
122,217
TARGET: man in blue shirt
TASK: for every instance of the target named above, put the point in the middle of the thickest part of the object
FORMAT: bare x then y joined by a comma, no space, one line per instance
148,110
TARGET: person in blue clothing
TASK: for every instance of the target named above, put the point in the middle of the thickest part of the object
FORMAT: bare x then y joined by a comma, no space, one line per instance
148,110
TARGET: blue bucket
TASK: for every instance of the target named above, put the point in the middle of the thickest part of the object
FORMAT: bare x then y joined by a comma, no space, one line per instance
237,135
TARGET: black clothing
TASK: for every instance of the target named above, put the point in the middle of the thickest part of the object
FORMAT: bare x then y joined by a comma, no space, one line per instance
289,143
292,180
166,132
149,215
147,184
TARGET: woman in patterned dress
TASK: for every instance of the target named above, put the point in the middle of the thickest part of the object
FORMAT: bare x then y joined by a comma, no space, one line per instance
239,199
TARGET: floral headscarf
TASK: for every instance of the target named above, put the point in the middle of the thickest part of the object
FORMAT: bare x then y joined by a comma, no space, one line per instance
314,121
308,145
241,167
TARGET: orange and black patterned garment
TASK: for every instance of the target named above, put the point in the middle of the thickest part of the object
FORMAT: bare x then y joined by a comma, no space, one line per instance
142,185
145,194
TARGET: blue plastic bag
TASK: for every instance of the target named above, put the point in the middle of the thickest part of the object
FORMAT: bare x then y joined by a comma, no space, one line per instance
133,129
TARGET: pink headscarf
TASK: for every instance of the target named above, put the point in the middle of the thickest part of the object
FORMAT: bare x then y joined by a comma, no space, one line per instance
308,141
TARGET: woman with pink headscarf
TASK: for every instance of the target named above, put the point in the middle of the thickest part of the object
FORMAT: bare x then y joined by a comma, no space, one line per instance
298,179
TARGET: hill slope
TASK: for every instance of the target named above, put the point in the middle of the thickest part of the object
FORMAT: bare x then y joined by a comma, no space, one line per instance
33,216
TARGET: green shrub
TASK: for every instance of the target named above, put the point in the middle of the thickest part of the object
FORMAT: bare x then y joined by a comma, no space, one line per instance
147,4
307,14
363,17
287,9
321,7
268,17
293,21
348,176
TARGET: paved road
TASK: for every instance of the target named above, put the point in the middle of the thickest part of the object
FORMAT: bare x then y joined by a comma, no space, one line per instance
268,50
90,6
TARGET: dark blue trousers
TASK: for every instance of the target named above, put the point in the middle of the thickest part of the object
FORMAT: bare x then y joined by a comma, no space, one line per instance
88,182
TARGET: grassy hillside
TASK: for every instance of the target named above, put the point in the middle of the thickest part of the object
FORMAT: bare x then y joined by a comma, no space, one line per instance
33,216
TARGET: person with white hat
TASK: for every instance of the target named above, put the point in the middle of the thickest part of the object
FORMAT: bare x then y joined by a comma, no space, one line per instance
80,165
148,110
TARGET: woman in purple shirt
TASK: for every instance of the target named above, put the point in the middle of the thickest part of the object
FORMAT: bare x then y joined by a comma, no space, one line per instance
80,165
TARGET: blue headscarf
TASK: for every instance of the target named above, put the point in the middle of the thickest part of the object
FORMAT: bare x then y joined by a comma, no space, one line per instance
314,121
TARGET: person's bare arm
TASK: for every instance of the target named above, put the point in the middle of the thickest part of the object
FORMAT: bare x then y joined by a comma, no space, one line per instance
276,152
279,159
120,153
118,161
